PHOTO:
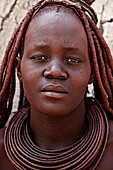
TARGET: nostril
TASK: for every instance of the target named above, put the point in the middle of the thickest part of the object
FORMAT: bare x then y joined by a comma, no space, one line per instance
52,77
49,77
62,77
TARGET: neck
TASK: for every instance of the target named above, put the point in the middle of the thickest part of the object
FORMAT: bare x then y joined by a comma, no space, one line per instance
52,132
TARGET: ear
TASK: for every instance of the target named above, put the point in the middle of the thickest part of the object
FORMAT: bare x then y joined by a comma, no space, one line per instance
91,79
18,62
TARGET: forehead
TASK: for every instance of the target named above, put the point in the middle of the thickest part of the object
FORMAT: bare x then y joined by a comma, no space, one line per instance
57,8
57,20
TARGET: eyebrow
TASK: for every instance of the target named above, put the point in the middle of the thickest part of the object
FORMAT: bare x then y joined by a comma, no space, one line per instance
40,46
68,48
45,46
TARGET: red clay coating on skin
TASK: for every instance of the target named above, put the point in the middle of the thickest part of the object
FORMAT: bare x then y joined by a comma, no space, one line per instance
7,76
102,67
84,154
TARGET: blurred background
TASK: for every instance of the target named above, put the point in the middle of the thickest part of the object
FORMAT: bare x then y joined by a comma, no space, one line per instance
13,11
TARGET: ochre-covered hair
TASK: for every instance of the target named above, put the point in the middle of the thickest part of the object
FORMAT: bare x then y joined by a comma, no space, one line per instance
100,56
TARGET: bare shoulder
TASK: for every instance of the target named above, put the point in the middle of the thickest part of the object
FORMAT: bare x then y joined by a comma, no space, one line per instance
110,132
1,143
107,159
2,135
4,162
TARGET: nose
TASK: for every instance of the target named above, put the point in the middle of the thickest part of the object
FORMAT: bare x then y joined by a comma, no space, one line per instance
55,70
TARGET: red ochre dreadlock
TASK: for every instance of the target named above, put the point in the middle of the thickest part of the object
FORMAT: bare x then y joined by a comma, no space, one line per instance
100,56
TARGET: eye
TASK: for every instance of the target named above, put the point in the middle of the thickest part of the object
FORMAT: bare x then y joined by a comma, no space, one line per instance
73,60
40,57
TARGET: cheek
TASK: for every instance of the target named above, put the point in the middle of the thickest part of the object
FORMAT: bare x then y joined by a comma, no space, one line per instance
29,79
80,80
29,71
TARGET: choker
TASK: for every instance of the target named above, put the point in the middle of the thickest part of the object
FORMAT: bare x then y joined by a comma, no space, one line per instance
84,154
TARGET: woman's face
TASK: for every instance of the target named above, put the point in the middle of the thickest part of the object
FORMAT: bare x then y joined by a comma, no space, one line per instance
55,66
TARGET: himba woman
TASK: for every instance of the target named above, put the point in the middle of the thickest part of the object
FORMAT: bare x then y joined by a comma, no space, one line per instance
58,51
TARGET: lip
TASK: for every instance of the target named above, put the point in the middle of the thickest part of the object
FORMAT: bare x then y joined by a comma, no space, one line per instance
54,91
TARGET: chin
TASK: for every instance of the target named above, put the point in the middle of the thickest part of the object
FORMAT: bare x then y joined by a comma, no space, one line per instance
55,112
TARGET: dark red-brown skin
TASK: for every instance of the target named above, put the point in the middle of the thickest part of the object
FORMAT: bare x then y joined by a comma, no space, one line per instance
52,38
55,71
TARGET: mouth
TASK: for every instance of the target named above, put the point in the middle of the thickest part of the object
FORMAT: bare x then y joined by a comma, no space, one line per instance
53,91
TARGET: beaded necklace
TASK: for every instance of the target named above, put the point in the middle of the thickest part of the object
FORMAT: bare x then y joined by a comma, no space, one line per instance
84,154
